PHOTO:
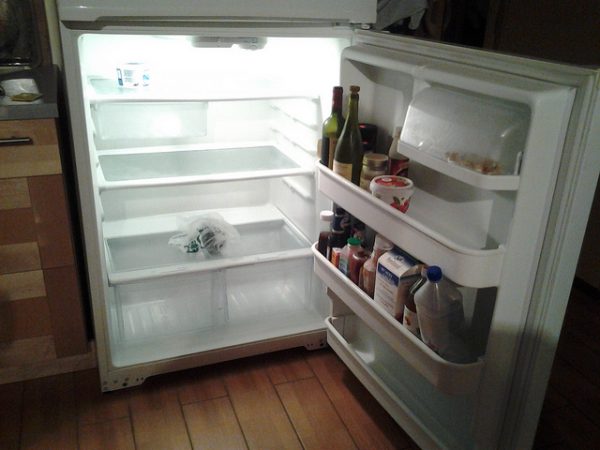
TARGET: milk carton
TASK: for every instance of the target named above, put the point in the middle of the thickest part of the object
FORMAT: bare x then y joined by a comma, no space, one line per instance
390,287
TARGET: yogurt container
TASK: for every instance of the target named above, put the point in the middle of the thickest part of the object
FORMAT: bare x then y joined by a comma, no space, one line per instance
133,75
394,190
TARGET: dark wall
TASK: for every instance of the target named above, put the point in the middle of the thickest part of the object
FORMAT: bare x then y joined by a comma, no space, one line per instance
561,30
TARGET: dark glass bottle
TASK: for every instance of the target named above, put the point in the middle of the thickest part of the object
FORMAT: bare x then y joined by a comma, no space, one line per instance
326,222
347,160
332,128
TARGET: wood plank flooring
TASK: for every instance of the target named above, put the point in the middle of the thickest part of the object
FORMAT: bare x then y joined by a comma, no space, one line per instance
294,399
570,416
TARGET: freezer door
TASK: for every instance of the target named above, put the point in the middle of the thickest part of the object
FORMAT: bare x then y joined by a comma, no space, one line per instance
344,11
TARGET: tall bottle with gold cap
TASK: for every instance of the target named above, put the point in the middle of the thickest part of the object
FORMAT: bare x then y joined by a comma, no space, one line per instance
347,160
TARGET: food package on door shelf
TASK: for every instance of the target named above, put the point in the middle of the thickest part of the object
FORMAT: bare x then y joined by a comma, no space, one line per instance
393,280
208,234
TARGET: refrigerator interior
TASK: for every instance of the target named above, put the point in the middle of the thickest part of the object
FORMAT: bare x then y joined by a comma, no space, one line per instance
220,130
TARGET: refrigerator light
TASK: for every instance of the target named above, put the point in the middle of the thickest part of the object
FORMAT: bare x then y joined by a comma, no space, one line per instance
247,43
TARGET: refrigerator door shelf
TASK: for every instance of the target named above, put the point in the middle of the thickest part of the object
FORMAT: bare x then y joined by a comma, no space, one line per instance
180,167
465,266
476,179
182,315
447,377
375,365
486,135
147,256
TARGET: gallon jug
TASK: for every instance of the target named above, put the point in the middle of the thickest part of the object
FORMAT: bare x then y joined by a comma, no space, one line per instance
441,317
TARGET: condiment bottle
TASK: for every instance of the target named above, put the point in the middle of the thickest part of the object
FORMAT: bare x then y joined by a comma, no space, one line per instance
366,280
342,220
368,134
358,230
357,260
336,240
398,162
326,220
352,246
347,161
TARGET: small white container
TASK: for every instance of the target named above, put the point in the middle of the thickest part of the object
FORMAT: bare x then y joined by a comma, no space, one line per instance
393,190
133,75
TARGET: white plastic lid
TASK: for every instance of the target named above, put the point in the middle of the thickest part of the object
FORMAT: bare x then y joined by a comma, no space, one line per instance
326,216
382,243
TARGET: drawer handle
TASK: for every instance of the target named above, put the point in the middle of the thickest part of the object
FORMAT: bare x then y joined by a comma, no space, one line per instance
16,141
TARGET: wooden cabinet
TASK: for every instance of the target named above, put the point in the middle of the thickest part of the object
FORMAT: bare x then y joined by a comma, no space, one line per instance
42,325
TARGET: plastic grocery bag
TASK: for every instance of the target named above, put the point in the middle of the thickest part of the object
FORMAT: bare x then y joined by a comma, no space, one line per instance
209,234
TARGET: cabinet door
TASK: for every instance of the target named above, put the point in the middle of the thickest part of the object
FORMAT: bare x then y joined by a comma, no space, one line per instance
28,148
41,310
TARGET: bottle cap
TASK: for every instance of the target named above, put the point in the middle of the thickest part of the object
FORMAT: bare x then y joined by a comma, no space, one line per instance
434,274
353,241
326,216
354,89
382,243
375,161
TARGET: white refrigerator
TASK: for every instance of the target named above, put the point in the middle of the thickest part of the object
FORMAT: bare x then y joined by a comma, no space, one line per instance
211,108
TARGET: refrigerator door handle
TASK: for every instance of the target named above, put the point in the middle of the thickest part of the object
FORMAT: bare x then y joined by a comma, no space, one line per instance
5,142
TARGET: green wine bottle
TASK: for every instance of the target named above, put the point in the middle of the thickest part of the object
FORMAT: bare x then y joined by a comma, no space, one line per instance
347,160
332,128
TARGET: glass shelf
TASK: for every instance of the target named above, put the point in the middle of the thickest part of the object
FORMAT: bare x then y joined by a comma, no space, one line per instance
168,168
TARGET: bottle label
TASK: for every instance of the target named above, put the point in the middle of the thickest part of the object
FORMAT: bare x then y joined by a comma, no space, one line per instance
399,167
434,331
335,256
344,264
368,274
410,321
343,169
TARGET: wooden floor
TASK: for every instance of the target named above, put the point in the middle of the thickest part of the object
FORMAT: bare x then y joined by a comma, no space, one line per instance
571,414
293,399
288,400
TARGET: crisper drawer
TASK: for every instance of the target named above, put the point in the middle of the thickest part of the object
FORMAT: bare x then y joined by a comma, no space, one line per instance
168,306
185,314
447,377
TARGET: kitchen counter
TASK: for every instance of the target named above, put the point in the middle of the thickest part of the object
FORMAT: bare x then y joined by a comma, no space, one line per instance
47,79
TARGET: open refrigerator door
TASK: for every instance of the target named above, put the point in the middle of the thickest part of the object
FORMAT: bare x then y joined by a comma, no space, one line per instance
490,140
